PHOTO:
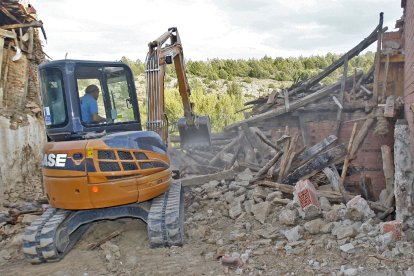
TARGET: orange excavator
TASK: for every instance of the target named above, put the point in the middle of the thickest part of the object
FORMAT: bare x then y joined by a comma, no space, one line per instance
98,163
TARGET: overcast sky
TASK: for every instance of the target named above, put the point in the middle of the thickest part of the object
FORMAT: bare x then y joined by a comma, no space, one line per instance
108,30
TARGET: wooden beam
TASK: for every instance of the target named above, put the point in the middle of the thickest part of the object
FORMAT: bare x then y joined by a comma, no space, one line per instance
341,97
255,141
333,177
338,63
377,67
22,25
293,106
346,162
7,34
260,174
388,168
309,153
362,133
395,58
389,108
317,164
201,179
287,158
225,149
385,81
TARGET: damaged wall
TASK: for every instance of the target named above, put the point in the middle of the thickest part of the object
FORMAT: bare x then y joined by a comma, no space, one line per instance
409,66
22,132
20,155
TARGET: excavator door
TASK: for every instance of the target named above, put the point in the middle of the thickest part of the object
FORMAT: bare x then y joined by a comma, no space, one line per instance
197,135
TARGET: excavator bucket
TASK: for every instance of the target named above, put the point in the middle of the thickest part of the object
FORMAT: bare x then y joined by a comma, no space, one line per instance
197,135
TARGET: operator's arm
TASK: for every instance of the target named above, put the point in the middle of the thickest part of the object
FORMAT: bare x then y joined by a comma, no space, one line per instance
94,111
97,118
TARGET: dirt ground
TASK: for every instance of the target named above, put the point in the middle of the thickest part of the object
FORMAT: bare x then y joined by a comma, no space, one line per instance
210,232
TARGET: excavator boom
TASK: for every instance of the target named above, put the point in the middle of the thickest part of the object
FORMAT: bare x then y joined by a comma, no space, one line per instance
194,130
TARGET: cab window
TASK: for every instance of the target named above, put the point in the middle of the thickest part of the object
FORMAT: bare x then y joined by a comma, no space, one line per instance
53,97
104,95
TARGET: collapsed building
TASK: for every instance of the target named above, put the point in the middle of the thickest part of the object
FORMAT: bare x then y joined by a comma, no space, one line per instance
22,134
346,137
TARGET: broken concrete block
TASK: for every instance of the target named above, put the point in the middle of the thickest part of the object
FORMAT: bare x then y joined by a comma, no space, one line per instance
273,195
305,194
288,217
310,212
259,194
29,218
229,197
327,228
343,231
358,209
240,198
314,226
245,175
336,213
210,186
325,204
248,205
294,234
395,227
385,239
260,211
347,248
235,209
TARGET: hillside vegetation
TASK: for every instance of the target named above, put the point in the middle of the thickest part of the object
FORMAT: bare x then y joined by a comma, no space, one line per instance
221,86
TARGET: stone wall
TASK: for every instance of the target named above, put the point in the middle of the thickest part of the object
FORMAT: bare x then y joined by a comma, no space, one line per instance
20,160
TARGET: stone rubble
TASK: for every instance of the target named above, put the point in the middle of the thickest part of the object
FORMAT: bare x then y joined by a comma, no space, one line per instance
320,230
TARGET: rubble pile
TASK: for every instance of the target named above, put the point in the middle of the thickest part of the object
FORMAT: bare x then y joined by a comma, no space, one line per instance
246,225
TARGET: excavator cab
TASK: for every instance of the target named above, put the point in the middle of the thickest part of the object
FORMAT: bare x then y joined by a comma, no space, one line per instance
65,85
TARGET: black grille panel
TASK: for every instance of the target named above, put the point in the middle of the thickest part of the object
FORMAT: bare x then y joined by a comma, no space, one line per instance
113,177
146,165
129,166
140,156
106,154
125,155
149,165
109,166
159,165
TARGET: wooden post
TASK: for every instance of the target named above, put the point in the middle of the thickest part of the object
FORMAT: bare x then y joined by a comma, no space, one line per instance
333,176
1,65
388,167
341,95
362,133
384,83
404,177
346,162
3,34
377,63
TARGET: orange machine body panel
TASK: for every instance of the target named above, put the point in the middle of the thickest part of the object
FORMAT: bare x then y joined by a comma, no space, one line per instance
87,174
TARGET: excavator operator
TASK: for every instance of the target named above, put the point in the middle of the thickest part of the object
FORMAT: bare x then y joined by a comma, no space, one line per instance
89,105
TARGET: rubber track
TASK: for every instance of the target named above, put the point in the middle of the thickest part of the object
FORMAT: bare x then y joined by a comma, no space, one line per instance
39,239
166,218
